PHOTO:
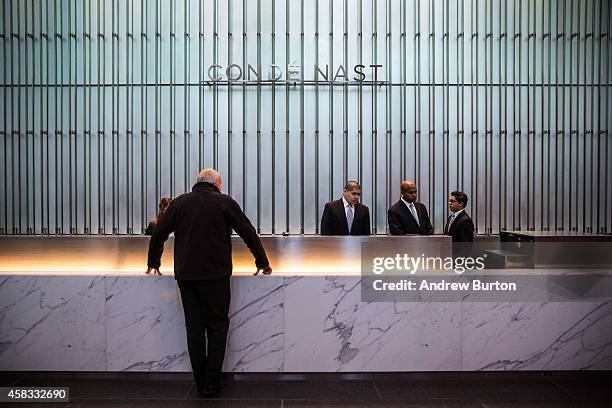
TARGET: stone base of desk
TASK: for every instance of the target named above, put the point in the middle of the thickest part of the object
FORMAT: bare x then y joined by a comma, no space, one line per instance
288,324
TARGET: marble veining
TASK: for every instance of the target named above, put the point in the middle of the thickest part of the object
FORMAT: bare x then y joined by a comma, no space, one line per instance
537,336
145,324
350,335
289,324
256,335
52,323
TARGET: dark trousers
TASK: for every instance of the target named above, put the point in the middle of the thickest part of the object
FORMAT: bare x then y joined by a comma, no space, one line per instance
206,306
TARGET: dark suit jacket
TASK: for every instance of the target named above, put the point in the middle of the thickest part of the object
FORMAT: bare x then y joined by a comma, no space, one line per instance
462,231
462,228
401,221
333,221
202,221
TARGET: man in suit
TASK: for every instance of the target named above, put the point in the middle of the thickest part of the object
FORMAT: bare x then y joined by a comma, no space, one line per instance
408,216
459,224
346,216
202,221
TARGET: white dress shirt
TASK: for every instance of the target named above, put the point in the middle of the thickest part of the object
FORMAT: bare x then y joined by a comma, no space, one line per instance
412,209
452,218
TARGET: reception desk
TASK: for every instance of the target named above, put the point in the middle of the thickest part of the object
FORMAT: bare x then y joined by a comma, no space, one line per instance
116,255
85,304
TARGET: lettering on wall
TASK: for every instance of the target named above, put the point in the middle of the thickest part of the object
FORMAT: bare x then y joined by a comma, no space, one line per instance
273,73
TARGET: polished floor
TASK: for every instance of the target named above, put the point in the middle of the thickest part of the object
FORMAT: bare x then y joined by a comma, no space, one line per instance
439,390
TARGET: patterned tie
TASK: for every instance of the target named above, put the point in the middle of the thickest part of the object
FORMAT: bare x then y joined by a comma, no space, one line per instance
349,217
414,213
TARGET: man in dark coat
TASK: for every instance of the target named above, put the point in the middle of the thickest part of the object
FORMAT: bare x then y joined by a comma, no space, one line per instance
346,216
459,224
202,221
408,216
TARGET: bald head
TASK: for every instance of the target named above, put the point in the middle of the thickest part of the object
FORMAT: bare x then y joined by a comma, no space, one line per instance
210,176
408,190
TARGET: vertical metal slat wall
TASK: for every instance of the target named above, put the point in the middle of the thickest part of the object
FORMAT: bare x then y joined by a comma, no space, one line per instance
106,107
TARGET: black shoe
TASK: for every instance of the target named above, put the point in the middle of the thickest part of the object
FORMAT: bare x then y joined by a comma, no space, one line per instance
210,391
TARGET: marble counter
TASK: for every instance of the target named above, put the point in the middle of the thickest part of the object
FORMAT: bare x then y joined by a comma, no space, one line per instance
84,304
289,324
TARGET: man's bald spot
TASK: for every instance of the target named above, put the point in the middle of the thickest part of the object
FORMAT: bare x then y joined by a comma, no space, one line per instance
352,184
209,176
407,185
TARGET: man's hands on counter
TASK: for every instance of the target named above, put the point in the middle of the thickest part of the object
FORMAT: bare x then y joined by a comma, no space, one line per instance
154,270
266,271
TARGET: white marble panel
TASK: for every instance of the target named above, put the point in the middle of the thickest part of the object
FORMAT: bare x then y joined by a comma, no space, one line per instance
145,324
328,328
289,324
537,336
52,323
256,335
